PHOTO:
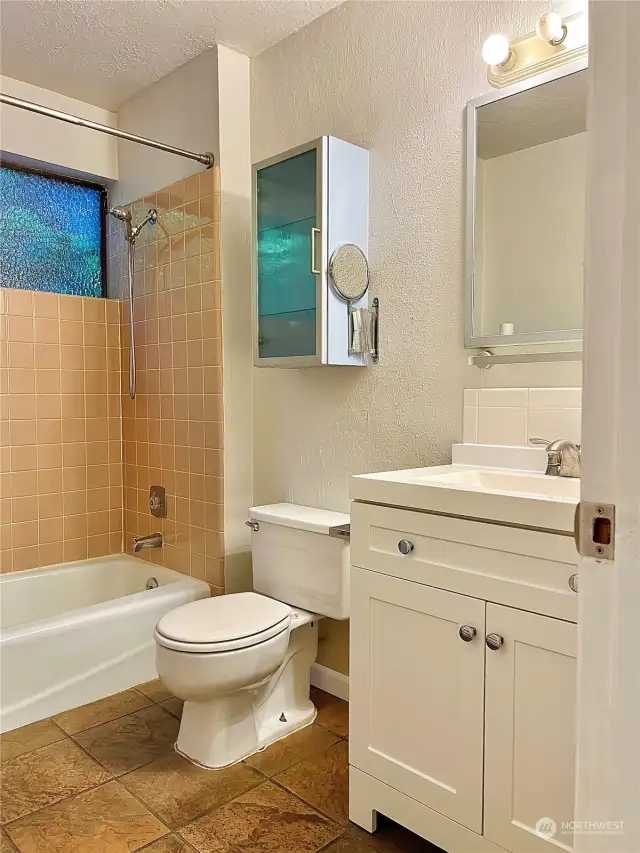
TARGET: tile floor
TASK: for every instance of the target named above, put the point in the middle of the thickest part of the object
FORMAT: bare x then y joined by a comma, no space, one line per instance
104,778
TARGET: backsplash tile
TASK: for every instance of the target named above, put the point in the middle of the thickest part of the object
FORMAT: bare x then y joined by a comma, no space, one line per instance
510,416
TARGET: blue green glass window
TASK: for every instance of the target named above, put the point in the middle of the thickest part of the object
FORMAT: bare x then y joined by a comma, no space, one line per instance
51,234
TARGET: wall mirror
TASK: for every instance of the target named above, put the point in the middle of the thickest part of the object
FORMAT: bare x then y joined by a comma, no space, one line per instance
526,182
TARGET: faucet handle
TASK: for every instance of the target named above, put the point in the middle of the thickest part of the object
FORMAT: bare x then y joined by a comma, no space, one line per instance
541,442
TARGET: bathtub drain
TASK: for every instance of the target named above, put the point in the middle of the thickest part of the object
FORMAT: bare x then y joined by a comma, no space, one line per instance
152,583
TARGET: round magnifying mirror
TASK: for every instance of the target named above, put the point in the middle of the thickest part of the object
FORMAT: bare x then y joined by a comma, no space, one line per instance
349,272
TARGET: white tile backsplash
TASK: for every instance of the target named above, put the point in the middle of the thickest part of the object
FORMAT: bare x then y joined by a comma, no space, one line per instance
510,416
556,423
503,397
502,425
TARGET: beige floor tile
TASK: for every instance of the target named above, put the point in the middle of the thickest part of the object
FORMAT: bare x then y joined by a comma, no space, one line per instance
170,844
173,706
6,844
333,713
323,782
132,741
299,746
179,792
155,690
102,711
105,820
44,777
28,738
265,819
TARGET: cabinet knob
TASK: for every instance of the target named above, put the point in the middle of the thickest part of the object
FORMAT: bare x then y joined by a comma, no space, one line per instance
573,583
405,547
467,633
494,641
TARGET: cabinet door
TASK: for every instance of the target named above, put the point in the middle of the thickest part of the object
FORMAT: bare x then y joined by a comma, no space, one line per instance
530,729
287,203
417,692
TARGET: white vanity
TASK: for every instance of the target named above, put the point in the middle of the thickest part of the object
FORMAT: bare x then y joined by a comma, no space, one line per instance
463,656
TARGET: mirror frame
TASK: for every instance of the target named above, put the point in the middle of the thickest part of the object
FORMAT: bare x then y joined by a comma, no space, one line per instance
471,340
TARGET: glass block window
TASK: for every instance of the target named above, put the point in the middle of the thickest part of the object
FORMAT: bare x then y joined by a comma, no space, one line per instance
51,234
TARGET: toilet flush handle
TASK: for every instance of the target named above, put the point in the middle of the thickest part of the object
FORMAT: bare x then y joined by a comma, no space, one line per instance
253,525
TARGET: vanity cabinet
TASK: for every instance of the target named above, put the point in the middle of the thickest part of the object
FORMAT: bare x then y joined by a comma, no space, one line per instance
307,202
462,703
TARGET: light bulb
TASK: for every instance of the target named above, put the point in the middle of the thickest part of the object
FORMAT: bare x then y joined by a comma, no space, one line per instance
551,28
496,50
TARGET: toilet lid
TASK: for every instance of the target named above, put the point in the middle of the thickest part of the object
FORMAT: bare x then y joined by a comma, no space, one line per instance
224,623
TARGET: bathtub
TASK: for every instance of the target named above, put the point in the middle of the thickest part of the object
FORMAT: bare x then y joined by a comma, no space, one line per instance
77,632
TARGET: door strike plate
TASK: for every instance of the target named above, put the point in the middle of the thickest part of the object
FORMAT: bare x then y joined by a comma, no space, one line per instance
594,530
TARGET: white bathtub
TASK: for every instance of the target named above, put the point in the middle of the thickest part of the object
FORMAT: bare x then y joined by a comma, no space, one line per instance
74,633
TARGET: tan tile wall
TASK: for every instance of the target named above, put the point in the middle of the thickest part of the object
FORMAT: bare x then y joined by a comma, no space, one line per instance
60,429
172,432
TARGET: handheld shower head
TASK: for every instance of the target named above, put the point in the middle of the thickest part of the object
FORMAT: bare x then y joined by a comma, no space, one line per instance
119,213
123,216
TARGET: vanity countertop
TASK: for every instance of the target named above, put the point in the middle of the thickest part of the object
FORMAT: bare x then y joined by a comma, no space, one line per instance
507,496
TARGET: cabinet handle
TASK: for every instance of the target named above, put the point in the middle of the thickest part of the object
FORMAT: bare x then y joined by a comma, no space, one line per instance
494,641
405,547
573,583
467,633
314,231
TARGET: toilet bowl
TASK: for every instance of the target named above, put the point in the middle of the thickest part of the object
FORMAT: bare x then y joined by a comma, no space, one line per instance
242,662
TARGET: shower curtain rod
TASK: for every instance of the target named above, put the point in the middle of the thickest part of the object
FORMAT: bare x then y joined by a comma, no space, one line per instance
206,159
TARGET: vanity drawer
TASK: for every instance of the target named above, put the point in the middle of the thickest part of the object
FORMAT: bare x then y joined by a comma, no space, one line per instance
526,569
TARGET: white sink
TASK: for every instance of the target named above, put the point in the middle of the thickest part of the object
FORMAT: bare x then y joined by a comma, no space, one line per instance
520,498
513,482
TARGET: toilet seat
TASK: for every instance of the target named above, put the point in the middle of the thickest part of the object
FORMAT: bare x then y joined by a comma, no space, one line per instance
222,624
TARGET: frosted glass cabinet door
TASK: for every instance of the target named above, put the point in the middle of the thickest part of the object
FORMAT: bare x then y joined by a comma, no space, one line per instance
287,203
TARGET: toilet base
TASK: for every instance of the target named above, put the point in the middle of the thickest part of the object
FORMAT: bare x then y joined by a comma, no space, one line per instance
227,729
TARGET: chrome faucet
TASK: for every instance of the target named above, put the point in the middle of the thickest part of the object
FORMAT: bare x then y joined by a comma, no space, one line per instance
563,457
153,540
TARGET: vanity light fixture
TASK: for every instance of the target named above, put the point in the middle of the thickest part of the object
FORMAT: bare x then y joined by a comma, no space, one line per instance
496,52
551,28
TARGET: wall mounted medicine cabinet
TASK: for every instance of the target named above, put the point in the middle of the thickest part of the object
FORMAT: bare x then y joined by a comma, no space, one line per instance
307,202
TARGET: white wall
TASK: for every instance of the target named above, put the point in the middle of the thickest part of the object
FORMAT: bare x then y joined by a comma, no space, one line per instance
180,109
47,143
394,78
235,237
530,268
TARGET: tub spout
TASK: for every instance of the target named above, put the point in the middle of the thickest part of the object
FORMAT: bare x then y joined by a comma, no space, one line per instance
153,540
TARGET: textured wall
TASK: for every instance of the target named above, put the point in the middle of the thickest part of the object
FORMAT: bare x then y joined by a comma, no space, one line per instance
60,448
394,78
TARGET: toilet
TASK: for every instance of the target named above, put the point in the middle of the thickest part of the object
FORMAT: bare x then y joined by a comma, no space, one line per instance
242,662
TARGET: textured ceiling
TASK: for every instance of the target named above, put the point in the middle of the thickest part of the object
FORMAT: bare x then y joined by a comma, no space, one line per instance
105,51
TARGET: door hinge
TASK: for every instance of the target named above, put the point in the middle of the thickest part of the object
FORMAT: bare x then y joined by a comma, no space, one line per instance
594,530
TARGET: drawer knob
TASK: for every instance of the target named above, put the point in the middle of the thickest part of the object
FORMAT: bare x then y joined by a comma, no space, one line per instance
405,547
494,641
573,583
467,633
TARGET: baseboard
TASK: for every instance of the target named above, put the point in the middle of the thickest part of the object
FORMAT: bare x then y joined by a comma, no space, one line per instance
330,681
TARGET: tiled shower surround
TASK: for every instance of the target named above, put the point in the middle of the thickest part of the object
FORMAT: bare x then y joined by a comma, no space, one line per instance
77,454
60,447
172,431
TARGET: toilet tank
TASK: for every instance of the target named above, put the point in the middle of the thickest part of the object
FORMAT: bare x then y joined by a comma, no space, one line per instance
300,558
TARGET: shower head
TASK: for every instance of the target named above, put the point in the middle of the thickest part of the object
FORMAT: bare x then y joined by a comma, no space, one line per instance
119,213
